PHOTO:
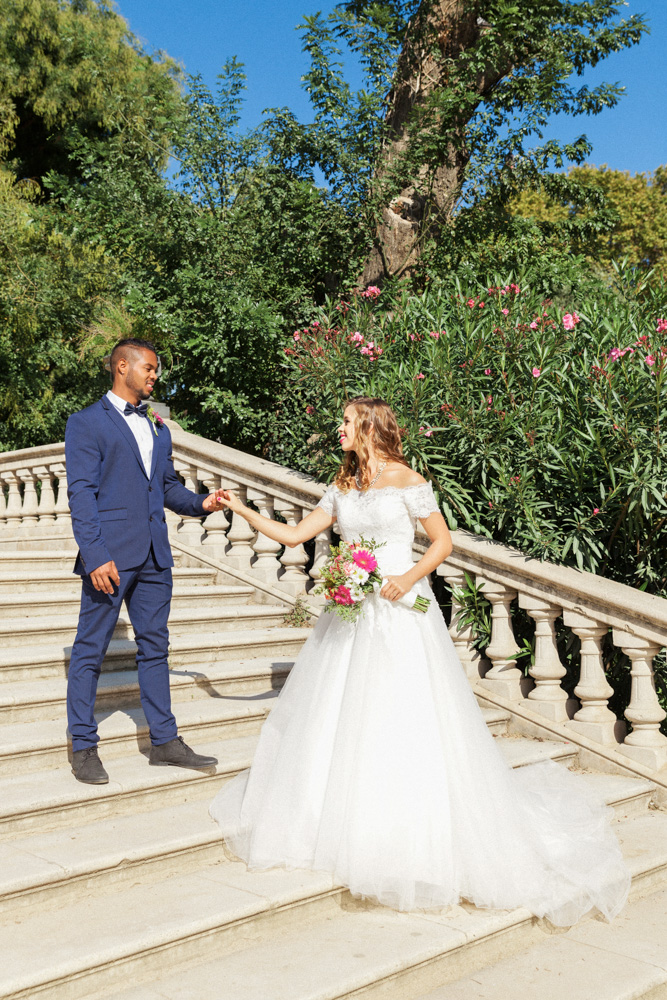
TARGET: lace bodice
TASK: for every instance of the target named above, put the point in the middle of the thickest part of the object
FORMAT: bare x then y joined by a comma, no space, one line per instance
386,515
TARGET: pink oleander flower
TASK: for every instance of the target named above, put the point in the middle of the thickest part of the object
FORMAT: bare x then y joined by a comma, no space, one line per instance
480,305
534,325
662,326
342,595
378,350
365,560
357,338
372,293
487,371
650,360
470,303
614,354
536,372
505,312
297,335
428,433
366,350
596,510
515,289
310,410
570,320
420,376
315,322
434,334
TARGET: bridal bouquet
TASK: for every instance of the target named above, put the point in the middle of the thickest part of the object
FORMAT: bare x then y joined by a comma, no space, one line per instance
351,574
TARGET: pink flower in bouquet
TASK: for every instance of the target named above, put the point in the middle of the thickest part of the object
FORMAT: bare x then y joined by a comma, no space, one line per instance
365,560
570,320
342,595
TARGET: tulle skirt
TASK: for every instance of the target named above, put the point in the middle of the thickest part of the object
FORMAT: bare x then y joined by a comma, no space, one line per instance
376,766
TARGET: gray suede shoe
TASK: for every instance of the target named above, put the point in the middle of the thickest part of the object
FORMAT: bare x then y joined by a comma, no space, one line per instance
87,766
178,753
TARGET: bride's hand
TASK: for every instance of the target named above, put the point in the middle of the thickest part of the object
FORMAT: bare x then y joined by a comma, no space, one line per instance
226,498
395,587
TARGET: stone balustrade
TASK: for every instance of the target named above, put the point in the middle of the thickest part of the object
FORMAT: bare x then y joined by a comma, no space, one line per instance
35,503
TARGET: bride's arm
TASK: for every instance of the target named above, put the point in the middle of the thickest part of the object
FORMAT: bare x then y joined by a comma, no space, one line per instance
439,550
287,534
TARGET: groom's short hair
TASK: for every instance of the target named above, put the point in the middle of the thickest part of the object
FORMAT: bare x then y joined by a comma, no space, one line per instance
125,348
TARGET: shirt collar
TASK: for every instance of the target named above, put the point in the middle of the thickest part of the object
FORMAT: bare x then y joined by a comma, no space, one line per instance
119,403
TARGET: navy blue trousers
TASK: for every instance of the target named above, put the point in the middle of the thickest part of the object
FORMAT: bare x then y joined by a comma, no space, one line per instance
147,595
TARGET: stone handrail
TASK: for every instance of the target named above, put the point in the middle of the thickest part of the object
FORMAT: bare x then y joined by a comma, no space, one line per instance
590,606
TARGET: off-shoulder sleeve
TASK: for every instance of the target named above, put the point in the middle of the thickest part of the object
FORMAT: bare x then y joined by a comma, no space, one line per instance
328,501
420,501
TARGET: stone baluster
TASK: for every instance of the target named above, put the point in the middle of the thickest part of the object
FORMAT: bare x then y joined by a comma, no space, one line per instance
504,677
470,657
266,564
30,502
47,497
645,743
322,551
240,536
3,501
63,515
216,523
14,508
294,577
548,697
189,529
594,719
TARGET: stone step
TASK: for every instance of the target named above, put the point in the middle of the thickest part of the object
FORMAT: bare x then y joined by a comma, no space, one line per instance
48,801
31,701
41,605
37,560
41,746
56,800
61,581
56,537
37,661
61,629
592,961
252,936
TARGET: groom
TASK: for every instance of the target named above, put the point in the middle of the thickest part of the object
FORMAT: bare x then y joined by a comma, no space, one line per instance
120,477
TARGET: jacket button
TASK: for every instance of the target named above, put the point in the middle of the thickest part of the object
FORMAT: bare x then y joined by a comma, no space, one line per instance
150,489
150,518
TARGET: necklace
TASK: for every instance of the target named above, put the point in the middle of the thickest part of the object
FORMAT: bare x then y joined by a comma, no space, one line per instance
382,466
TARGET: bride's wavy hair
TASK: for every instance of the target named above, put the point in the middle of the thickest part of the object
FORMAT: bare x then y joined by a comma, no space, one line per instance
374,424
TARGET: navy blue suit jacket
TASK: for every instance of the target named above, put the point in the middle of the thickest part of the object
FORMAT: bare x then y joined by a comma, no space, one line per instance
117,510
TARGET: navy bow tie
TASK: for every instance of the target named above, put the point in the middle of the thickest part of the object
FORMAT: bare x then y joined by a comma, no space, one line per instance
141,409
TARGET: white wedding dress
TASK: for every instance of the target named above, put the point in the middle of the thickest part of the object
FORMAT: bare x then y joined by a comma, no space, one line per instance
376,765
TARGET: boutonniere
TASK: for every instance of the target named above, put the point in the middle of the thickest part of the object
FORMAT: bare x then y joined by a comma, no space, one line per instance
155,419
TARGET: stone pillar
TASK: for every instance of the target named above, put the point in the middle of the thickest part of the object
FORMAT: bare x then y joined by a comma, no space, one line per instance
266,563
240,536
504,677
547,697
14,508
294,577
645,743
322,550
47,499
594,719
216,524
471,658
190,529
30,505
63,515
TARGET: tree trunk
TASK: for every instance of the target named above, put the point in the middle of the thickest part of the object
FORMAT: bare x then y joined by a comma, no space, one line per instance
439,33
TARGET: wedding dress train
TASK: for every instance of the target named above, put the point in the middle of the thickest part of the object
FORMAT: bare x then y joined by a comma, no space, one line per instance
376,765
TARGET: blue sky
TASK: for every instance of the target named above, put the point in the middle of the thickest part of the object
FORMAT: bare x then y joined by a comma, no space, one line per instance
202,34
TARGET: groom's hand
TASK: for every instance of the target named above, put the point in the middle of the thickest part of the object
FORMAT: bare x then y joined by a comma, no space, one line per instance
104,577
213,501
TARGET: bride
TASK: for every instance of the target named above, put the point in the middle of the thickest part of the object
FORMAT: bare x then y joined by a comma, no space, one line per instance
376,764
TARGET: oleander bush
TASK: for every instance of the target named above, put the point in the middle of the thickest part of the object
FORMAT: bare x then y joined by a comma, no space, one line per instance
541,422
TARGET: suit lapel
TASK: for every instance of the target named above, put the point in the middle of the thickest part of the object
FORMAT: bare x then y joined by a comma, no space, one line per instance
119,420
154,456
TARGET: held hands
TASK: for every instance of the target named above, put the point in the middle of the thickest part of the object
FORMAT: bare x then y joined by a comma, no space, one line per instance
395,587
214,501
104,577
225,498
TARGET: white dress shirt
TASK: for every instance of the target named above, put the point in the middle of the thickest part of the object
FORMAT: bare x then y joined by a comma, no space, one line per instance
141,427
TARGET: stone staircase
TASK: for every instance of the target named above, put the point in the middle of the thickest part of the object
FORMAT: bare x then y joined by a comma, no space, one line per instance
124,890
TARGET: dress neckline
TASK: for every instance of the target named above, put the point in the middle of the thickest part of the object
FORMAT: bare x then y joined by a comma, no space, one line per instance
383,489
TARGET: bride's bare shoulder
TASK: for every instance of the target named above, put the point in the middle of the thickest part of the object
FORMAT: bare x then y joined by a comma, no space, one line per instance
401,476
